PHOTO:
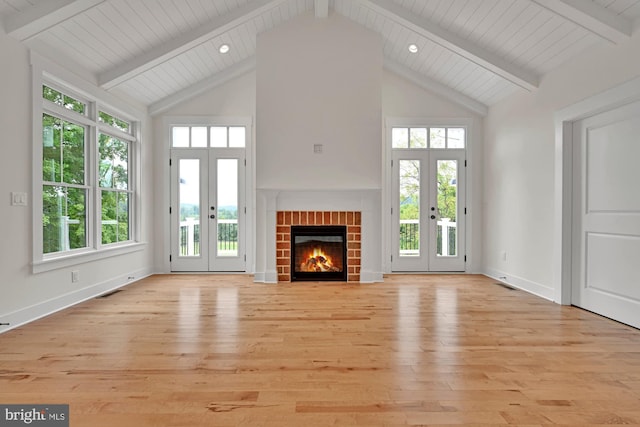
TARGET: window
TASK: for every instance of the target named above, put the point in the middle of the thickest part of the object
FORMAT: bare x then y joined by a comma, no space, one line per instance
87,185
428,137
217,136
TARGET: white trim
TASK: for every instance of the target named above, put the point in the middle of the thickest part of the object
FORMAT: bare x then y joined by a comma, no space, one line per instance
534,288
39,18
37,311
592,17
183,43
454,43
84,88
367,276
43,72
617,96
75,258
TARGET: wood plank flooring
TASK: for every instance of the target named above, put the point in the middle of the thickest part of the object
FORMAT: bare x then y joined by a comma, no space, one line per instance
209,350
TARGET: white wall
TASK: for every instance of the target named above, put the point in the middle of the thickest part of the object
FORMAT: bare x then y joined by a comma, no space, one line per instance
23,295
519,164
318,82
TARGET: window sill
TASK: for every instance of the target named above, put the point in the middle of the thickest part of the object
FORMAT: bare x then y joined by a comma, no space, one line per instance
83,257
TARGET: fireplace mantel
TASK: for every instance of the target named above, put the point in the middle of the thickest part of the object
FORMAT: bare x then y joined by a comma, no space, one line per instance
271,201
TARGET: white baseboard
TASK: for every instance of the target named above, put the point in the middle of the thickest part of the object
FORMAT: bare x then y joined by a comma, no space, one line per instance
53,305
371,276
265,277
534,288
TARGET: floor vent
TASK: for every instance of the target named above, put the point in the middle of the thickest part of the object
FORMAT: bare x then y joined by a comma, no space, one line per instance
108,294
506,286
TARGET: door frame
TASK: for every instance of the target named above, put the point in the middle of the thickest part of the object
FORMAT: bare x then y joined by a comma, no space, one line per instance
564,119
165,180
387,184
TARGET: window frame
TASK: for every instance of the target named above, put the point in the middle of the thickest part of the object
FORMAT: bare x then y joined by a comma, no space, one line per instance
428,140
96,100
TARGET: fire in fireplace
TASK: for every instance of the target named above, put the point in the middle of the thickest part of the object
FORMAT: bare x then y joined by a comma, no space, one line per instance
319,253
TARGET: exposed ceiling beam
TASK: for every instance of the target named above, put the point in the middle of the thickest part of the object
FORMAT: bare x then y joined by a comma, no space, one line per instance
201,87
183,43
321,8
28,24
454,43
436,87
590,16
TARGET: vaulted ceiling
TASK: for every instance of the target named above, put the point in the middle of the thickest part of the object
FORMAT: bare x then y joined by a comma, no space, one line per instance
162,52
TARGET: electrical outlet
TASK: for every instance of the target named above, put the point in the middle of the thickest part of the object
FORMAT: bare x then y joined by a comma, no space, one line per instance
75,276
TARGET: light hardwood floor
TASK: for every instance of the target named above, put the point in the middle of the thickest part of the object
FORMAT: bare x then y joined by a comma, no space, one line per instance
208,350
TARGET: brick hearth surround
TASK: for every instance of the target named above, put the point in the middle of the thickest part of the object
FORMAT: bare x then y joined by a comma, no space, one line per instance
284,221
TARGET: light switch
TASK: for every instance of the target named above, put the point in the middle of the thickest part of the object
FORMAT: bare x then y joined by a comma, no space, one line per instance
317,148
18,199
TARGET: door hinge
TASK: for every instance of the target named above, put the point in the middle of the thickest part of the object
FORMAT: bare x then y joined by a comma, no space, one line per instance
465,258
391,163
245,162
465,163
245,209
170,258
391,211
391,258
465,211
169,210
245,258
169,162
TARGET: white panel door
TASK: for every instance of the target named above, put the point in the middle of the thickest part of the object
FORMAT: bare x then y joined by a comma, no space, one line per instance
606,227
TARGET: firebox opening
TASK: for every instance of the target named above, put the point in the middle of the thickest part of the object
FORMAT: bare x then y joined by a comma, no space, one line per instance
319,253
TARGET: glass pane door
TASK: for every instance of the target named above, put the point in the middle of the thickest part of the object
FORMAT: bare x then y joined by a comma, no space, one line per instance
189,222
427,213
410,237
207,209
227,209
447,221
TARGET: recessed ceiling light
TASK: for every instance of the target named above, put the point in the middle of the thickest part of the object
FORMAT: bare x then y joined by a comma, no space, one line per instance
413,48
224,48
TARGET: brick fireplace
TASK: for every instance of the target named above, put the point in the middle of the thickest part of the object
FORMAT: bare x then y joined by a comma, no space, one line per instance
285,219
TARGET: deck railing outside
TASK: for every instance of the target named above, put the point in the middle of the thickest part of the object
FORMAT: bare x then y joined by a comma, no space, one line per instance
189,237
410,237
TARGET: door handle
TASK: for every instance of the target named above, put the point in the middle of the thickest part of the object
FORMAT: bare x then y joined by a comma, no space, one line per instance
433,217
212,216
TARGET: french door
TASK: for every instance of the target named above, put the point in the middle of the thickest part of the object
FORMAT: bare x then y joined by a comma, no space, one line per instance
208,209
428,213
